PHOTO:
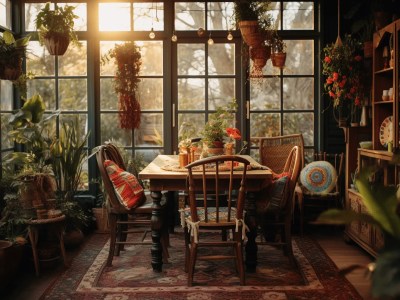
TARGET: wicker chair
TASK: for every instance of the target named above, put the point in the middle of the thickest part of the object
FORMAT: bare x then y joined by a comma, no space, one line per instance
226,213
123,221
277,215
274,151
306,199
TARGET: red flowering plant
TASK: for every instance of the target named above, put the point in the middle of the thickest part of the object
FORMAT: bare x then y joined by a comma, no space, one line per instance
233,134
342,66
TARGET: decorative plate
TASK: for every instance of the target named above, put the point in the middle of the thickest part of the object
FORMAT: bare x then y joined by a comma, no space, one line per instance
318,177
385,132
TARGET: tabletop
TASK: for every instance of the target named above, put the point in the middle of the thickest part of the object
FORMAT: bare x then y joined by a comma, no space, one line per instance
167,167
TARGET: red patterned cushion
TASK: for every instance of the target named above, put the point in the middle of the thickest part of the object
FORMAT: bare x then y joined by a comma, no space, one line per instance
127,187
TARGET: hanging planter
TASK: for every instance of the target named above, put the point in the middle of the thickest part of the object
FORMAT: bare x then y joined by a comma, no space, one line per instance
253,20
251,33
278,55
128,61
278,59
57,44
56,28
11,73
260,55
12,52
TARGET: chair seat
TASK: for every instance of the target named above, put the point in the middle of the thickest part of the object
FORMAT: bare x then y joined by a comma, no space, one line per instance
211,214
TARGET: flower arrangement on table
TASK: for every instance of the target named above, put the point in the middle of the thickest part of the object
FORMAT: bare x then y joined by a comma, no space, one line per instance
342,66
214,134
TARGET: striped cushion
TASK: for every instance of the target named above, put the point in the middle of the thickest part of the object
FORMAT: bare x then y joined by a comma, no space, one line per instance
127,187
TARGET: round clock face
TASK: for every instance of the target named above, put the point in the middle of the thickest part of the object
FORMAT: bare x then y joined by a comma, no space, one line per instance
385,132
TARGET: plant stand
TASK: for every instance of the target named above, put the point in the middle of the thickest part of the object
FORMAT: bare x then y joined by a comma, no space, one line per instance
56,226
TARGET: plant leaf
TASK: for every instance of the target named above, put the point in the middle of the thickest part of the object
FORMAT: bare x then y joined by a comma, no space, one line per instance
8,37
386,276
36,106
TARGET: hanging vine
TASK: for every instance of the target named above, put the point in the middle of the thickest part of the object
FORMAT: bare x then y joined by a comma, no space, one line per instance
128,62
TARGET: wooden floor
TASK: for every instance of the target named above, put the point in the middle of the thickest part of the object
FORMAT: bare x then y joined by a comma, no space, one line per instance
32,287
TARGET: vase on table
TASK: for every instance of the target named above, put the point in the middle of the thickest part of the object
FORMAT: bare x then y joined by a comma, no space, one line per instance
229,148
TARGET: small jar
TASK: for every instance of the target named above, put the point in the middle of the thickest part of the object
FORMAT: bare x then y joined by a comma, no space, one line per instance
385,95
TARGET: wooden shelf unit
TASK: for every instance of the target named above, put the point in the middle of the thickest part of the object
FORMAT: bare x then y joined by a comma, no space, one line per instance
385,75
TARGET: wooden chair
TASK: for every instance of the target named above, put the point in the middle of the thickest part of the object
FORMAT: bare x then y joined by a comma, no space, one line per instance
221,217
122,221
322,201
274,151
277,213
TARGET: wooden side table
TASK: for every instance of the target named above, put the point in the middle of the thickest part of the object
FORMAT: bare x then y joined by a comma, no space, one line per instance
55,226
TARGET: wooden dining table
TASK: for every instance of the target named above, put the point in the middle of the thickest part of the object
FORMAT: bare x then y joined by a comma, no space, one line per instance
164,174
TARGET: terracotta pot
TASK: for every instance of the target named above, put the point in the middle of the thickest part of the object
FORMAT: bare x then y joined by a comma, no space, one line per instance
260,55
216,148
57,45
278,59
251,33
73,238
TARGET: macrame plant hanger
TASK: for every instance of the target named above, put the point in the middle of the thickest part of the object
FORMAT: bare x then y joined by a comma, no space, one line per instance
338,42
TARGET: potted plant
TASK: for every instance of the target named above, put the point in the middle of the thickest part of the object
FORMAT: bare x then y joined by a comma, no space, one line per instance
278,51
68,155
56,28
214,132
253,21
12,52
128,62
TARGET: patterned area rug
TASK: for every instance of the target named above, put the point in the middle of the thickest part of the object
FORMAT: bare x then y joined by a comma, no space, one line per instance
131,276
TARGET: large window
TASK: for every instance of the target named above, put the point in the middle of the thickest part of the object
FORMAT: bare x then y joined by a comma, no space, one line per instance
181,80
283,101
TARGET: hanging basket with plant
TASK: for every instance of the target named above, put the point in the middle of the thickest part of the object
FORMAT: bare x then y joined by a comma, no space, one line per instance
253,21
12,52
342,65
128,61
56,28
278,51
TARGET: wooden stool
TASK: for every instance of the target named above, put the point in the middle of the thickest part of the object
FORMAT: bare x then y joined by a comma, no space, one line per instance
54,225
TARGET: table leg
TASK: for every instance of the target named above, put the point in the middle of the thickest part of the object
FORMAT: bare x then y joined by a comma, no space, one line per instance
156,222
33,236
251,222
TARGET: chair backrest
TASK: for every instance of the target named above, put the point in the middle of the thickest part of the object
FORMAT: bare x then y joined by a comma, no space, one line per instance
293,167
274,151
215,177
337,161
110,152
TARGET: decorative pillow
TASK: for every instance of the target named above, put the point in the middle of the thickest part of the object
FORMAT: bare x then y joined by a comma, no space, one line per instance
318,177
273,198
127,187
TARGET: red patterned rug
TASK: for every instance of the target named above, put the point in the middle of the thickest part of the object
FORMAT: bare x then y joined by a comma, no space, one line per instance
131,276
